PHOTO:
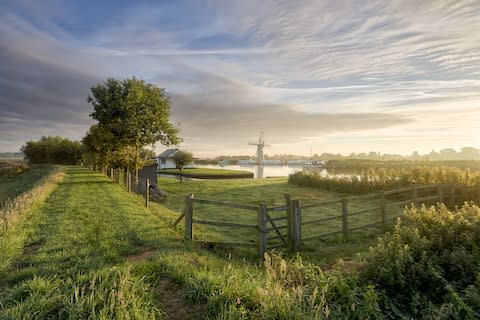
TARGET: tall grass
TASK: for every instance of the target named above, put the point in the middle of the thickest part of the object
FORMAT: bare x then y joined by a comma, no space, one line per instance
375,179
10,168
12,209
110,293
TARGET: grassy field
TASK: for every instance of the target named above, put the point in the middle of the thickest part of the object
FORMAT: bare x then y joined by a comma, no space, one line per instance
92,251
271,192
12,186
208,173
70,259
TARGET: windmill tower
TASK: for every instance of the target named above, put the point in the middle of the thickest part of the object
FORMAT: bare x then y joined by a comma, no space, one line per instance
260,145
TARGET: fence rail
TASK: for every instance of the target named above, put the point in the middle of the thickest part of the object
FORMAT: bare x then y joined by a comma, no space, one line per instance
136,184
286,231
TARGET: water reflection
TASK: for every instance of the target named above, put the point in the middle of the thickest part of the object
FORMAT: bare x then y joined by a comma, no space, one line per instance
263,171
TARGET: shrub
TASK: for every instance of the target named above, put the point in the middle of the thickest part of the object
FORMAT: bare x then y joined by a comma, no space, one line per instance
429,265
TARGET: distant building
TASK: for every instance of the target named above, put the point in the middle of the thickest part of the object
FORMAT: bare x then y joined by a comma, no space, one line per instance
271,162
166,160
296,162
223,162
247,162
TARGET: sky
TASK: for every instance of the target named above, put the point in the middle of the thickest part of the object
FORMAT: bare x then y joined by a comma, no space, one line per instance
315,76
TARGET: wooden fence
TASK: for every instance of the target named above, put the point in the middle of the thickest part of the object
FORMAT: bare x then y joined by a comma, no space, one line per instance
132,183
286,230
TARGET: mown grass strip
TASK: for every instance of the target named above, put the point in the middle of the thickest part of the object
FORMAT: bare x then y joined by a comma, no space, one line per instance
73,250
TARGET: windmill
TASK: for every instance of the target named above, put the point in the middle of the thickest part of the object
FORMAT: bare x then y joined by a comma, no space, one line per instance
260,146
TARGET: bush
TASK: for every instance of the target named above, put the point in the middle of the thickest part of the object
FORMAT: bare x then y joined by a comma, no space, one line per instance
429,267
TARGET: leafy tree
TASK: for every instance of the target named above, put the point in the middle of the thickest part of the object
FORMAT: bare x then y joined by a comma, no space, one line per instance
135,114
99,147
182,158
53,150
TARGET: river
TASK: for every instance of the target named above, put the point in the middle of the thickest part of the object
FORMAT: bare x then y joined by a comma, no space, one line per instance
262,171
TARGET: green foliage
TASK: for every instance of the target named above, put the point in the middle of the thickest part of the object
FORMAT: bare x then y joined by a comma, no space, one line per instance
429,266
54,150
182,158
298,290
131,115
375,179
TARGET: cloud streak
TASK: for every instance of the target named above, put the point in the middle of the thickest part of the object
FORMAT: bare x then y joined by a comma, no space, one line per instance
304,72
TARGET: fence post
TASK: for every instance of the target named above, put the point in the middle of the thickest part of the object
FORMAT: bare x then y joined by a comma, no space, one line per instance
297,225
111,173
129,182
383,210
414,195
290,230
262,229
147,192
345,217
440,193
189,217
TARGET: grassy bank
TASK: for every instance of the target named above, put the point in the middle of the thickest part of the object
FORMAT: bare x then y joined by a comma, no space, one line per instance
11,186
17,207
10,168
208,173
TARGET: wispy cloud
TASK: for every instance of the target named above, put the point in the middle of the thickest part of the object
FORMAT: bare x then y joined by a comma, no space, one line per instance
334,68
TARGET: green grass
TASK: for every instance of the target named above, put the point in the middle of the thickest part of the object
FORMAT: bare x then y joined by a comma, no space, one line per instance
61,259
270,192
10,187
75,255
93,251
208,173
79,255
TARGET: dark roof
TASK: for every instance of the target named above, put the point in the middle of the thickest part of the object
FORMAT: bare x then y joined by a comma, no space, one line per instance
167,153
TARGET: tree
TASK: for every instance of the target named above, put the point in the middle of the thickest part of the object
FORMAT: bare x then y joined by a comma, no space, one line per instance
56,150
182,158
135,114
99,147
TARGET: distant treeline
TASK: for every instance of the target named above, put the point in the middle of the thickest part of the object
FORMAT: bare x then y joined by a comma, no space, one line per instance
55,150
448,154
